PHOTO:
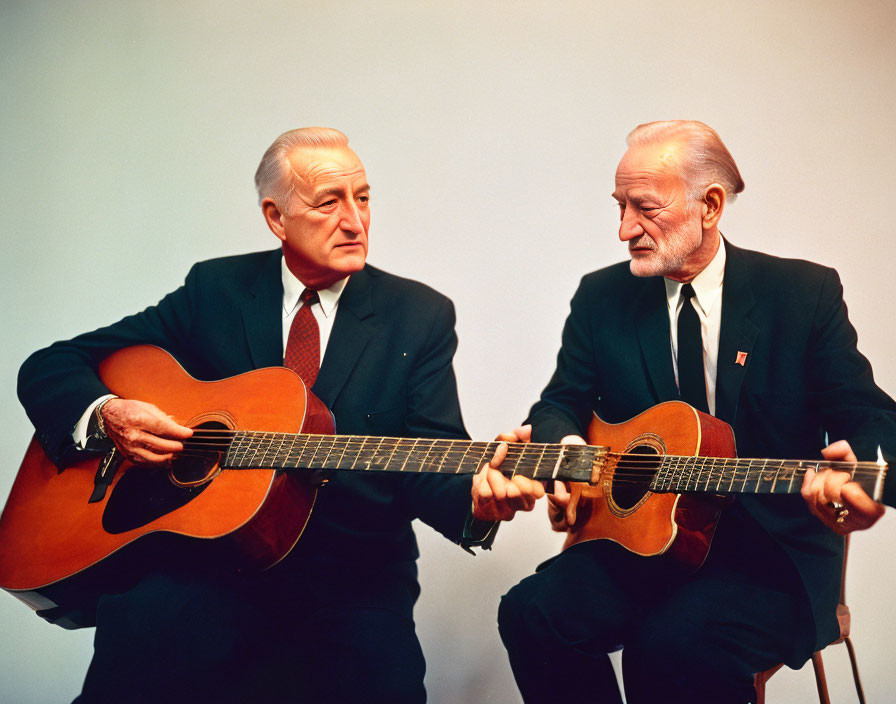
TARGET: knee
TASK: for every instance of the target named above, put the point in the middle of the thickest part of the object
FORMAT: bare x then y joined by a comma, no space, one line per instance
689,658
530,619
521,621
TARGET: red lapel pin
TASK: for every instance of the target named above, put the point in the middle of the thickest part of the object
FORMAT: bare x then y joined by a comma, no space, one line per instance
741,359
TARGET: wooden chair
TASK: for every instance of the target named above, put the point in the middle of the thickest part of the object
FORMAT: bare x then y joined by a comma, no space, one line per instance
820,680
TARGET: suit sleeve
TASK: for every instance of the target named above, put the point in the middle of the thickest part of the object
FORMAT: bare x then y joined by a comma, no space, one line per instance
853,407
565,405
433,410
56,384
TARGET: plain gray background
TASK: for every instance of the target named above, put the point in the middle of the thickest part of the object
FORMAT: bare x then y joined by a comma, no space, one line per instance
130,133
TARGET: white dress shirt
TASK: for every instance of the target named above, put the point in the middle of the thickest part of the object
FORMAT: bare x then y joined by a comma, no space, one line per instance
324,311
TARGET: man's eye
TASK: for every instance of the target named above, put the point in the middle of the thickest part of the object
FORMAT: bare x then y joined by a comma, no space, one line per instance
327,203
364,199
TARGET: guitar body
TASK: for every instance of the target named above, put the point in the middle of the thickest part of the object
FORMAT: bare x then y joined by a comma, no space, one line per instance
680,526
57,549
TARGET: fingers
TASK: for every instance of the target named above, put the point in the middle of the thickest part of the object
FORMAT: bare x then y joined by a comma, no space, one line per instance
820,489
142,432
573,440
499,455
521,434
864,511
854,497
839,451
839,503
561,492
496,498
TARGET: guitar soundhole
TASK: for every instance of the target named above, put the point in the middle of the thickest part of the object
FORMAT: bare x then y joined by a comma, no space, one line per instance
633,475
194,466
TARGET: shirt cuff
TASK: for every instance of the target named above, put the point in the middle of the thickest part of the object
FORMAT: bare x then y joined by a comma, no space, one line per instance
79,434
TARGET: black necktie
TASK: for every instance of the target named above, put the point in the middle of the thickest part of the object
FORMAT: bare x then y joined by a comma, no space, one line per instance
691,377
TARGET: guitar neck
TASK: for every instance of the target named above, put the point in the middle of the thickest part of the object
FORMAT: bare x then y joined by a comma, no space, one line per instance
577,463
678,474
249,449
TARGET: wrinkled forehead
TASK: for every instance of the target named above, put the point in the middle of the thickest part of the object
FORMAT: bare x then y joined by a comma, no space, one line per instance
656,165
312,166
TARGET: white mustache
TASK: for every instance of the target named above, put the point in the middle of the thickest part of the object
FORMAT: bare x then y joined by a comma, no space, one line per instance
643,242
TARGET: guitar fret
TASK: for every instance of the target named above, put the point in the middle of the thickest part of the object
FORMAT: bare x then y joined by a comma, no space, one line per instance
798,469
294,453
454,456
550,463
464,458
329,448
732,471
416,457
283,442
706,472
658,483
673,464
339,445
746,473
363,456
694,475
441,448
483,453
309,452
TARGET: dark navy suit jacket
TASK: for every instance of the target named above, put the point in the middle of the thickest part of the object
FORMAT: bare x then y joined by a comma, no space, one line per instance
387,370
803,378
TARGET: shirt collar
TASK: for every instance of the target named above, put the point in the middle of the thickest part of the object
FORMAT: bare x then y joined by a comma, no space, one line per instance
292,290
707,284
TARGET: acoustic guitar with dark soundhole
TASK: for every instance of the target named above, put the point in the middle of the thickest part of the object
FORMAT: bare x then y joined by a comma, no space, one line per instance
245,484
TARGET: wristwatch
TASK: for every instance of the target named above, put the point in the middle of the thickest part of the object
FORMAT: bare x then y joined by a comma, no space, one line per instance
96,427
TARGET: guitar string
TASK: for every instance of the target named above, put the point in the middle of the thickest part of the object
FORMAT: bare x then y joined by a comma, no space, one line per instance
622,473
627,460
357,443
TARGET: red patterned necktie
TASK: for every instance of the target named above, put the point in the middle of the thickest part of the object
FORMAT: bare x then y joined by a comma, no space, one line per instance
303,344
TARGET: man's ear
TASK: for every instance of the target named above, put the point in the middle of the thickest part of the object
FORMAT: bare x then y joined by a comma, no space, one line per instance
274,218
713,204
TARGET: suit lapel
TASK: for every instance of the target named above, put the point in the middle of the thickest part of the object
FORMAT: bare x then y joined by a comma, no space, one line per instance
652,320
351,332
262,318
737,336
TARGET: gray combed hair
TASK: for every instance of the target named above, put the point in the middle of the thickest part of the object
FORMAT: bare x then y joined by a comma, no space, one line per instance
705,158
275,178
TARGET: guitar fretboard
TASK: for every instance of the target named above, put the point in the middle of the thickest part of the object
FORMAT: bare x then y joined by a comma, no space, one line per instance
746,476
578,463
247,449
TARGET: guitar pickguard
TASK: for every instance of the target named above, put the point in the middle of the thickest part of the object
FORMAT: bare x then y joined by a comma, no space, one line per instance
142,495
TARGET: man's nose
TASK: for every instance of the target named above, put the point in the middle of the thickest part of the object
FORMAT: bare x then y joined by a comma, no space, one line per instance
351,219
629,228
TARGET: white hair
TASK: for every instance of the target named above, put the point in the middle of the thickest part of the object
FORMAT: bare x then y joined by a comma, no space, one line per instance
275,178
705,158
